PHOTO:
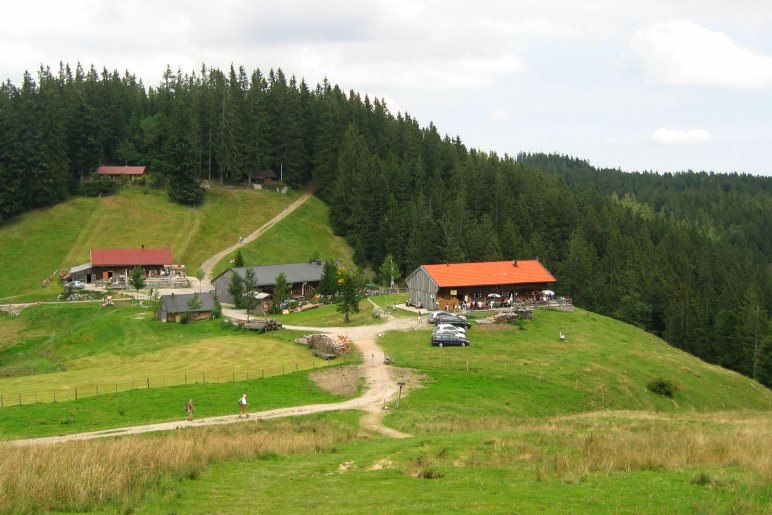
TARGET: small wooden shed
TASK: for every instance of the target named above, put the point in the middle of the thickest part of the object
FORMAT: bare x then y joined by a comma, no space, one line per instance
172,307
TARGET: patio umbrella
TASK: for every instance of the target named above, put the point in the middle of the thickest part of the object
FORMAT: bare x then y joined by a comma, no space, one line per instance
495,295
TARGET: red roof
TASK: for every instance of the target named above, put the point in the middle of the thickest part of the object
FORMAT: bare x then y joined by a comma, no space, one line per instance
121,170
111,257
489,273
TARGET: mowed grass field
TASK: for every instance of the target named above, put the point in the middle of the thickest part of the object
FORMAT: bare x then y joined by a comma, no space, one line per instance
304,234
328,316
49,351
38,243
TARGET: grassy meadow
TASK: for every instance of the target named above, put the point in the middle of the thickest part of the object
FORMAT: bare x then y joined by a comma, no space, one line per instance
518,421
328,316
49,351
507,373
549,466
40,242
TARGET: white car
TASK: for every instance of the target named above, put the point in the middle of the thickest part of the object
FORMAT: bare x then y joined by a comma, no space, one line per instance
448,327
78,285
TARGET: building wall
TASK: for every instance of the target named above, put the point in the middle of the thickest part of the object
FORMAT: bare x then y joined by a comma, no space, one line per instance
221,287
98,272
421,289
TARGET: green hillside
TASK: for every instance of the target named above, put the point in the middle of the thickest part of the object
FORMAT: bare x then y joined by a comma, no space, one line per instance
508,373
40,242
306,233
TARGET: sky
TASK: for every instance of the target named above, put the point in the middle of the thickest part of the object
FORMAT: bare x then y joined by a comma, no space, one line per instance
637,85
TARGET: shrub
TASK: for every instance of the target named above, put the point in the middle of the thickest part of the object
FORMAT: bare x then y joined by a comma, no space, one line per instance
98,186
663,386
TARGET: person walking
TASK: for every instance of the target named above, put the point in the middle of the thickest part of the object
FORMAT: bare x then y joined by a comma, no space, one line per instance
243,404
189,409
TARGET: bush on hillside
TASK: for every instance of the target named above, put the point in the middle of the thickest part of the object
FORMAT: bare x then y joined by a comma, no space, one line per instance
662,386
98,186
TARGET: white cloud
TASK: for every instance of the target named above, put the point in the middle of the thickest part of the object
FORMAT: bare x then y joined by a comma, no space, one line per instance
664,136
687,54
499,116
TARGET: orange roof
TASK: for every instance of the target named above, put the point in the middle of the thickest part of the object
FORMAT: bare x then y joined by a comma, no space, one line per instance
489,273
112,257
121,170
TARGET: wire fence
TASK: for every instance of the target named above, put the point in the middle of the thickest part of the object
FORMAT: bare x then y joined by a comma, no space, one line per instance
81,391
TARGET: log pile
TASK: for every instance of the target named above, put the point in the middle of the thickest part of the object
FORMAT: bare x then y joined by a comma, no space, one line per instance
262,325
332,344
502,316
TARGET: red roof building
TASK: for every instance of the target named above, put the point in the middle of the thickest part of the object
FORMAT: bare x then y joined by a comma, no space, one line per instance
131,257
116,264
449,285
132,172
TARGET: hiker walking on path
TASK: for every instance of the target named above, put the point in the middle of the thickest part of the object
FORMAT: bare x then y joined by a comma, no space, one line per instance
243,404
189,409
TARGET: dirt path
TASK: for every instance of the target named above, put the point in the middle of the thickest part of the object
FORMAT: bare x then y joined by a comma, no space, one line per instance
380,388
210,263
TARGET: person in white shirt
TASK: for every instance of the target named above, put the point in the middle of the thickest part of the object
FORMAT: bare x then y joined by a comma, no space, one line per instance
243,403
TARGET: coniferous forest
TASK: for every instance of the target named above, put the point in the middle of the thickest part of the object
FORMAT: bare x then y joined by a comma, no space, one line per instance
683,255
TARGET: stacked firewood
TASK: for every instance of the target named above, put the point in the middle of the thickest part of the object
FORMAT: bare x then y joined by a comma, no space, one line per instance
333,344
502,316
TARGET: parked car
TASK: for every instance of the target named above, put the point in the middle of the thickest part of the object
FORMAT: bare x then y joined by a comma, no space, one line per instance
443,338
434,314
449,327
453,320
78,285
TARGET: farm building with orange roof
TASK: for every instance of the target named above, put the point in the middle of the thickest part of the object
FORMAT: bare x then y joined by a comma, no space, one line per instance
449,285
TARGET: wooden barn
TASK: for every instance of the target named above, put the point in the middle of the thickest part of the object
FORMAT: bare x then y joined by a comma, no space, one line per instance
448,286
171,308
302,278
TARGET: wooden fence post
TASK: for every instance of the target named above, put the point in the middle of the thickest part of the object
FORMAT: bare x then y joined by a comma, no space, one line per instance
147,379
76,394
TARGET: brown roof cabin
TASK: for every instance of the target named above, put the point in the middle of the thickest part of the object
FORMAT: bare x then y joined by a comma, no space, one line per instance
116,172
